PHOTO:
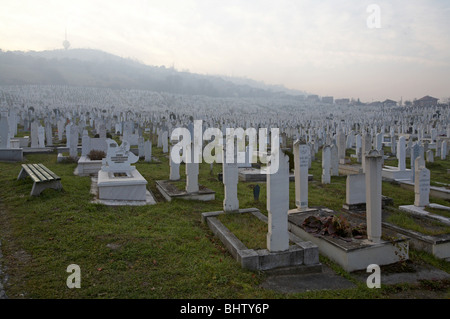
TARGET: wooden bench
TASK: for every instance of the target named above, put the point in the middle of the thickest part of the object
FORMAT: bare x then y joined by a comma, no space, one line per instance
43,178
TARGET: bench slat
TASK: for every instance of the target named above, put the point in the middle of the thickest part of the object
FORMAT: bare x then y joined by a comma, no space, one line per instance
31,173
56,177
46,175
37,173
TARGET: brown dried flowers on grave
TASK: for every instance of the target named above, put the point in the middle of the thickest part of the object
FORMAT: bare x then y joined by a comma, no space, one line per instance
336,226
95,155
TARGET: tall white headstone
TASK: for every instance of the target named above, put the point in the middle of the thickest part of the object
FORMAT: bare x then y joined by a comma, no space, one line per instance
421,184
174,174
148,151
366,146
192,170
278,205
326,164
34,135
301,163
373,169
230,180
4,130
401,153
334,160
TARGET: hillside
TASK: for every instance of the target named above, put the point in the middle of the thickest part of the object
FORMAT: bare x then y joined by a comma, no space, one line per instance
86,67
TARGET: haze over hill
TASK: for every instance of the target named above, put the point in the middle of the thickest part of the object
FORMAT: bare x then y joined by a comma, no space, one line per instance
87,67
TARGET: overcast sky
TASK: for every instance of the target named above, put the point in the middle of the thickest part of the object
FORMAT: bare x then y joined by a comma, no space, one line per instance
323,47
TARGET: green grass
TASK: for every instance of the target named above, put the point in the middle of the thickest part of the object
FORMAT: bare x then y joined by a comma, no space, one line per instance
406,221
249,229
158,251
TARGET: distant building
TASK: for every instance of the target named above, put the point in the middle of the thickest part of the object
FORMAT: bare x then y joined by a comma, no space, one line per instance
313,98
327,99
375,103
389,103
426,101
342,101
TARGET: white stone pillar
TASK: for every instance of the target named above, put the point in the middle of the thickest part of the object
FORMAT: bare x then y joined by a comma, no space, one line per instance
401,153
148,151
174,168
230,180
326,165
192,170
421,184
278,205
373,167
301,163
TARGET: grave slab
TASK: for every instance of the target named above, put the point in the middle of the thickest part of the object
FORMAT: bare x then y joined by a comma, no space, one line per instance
300,255
353,254
170,191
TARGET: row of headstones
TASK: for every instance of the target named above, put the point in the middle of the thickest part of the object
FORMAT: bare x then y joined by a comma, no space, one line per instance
310,132
278,193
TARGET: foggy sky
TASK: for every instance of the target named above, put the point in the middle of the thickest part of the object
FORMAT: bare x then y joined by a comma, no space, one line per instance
323,47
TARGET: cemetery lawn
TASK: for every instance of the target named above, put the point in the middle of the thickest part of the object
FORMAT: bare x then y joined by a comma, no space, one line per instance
158,251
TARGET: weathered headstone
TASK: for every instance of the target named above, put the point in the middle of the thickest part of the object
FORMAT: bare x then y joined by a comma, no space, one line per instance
230,181
34,135
366,146
192,170
4,131
326,164
415,153
41,137
73,149
278,205
301,160
356,189
118,158
148,151
430,156
373,195
421,184
444,150
340,148
174,173
165,142
334,160
401,153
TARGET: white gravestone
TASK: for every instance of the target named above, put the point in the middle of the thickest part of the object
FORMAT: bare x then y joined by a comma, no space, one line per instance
165,142
334,160
278,205
373,167
41,137
230,180
192,170
148,151
401,153
356,189
301,163
34,135
117,179
174,168
118,158
421,184
4,131
326,164
415,153
430,156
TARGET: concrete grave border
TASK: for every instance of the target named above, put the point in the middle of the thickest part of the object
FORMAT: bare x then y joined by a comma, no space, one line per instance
301,257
